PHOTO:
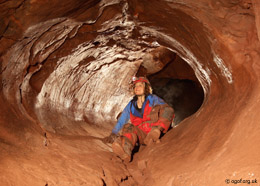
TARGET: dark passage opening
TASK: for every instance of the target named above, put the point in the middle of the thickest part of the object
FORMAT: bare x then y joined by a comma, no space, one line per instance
185,96
177,85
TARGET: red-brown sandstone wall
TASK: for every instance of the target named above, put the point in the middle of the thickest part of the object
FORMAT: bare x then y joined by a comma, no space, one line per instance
65,71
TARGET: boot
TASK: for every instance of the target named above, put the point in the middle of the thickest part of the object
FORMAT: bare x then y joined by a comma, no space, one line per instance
123,148
152,136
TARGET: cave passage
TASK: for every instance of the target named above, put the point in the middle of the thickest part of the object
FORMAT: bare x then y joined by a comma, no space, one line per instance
64,78
178,86
185,96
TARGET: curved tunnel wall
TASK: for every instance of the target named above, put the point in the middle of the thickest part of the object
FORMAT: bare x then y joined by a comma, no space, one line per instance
65,80
101,50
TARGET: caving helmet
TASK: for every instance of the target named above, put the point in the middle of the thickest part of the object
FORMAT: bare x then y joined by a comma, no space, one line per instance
140,79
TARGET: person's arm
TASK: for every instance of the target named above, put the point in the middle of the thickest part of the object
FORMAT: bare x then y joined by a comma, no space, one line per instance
123,119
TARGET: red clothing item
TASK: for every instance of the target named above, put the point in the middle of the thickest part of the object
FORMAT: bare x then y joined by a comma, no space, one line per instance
137,116
153,115
144,123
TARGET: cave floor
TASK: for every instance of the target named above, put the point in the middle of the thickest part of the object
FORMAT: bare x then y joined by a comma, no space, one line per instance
67,161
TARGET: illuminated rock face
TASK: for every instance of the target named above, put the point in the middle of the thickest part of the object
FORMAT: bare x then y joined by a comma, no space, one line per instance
65,72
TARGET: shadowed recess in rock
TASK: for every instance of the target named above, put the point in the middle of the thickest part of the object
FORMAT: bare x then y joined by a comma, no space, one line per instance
65,72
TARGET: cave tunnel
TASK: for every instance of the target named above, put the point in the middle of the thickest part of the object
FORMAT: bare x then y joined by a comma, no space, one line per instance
178,86
65,71
175,83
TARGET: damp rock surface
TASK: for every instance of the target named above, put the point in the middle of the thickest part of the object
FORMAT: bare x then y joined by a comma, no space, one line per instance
65,73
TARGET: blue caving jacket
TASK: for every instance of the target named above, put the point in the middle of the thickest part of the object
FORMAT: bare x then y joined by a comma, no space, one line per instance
132,108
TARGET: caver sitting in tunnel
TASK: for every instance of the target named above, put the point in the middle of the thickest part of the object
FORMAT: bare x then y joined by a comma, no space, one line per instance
149,115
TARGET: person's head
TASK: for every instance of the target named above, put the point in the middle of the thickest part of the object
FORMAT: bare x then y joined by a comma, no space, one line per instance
141,86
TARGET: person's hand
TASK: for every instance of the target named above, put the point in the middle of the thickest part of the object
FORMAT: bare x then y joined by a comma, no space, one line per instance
110,138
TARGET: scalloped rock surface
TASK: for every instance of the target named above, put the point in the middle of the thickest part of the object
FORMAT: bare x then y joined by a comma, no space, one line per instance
65,71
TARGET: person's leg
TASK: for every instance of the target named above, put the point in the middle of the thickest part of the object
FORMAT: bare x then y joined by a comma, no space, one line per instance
153,135
123,148
166,115
129,132
124,145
